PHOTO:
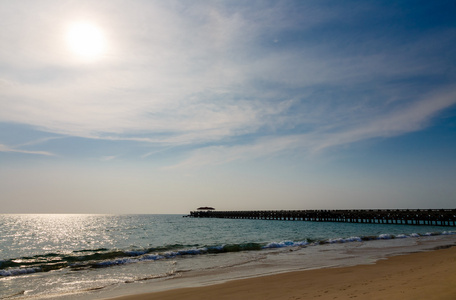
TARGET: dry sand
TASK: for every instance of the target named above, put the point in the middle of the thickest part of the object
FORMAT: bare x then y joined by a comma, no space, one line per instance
424,275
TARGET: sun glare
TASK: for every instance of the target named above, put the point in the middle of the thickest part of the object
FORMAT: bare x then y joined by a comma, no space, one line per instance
85,40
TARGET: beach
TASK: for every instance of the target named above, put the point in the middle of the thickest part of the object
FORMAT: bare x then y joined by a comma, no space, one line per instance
423,275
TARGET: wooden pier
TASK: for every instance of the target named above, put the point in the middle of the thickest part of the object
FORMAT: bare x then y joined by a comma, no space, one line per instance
433,217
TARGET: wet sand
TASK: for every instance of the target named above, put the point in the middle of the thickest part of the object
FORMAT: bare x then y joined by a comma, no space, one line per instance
424,275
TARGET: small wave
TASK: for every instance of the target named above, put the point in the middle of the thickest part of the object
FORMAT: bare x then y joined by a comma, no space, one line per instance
191,251
345,240
432,233
448,232
285,244
121,261
238,247
135,253
180,253
385,236
152,257
19,271
401,236
172,254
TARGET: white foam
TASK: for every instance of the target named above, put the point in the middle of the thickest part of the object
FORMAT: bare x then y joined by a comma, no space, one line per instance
120,261
385,236
172,254
345,240
220,248
15,272
152,257
448,232
285,244
401,236
192,251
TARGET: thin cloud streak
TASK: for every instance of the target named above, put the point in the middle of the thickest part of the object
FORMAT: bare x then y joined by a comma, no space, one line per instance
412,118
38,141
5,148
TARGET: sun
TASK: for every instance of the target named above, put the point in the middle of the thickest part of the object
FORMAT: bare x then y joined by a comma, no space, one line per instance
85,40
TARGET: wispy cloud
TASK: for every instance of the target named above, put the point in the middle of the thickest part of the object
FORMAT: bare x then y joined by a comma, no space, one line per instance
413,117
38,141
5,148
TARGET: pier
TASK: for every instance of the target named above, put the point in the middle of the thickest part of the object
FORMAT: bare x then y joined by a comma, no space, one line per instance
433,217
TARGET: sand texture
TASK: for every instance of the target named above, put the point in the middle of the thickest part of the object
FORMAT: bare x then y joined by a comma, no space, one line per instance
425,275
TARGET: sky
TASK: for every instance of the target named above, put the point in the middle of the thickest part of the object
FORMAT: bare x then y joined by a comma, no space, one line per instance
165,106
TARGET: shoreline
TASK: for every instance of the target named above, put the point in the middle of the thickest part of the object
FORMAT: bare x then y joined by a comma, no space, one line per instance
421,275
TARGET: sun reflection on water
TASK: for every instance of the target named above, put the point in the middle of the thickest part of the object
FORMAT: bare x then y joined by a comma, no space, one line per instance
61,233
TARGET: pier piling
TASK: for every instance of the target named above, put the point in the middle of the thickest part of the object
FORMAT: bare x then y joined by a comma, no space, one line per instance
433,217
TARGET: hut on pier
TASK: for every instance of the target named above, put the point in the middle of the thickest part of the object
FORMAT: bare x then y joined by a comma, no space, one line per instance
206,208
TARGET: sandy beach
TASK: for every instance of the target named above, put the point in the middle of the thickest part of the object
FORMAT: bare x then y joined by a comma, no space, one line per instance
424,275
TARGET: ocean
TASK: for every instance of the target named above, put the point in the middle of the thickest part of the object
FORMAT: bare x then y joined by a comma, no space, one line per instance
100,256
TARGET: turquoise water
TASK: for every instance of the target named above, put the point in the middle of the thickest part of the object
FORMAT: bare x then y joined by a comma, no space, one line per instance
79,253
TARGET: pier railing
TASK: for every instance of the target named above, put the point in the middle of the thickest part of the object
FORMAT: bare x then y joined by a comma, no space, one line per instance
435,217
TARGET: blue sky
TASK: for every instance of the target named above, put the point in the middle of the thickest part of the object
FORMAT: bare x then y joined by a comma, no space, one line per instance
231,104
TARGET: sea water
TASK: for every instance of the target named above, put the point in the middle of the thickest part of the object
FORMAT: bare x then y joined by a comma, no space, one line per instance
96,256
